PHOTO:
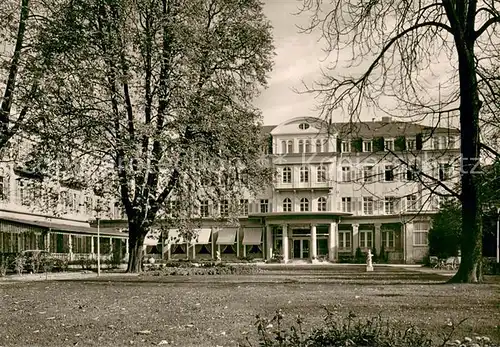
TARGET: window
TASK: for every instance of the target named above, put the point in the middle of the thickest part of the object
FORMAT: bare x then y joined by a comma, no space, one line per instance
389,173
435,143
388,239
368,173
346,174
264,206
367,146
290,146
452,142
444,172
368,205
389,145
3,195
287,205
224,208
321,174
411,202
304,205
304,174
88,205
322,204
283,146
410,175
443,142
319,146
204,208
308,146
345,146
301,146
346,204
344,239
303,126
389,205
244,207
365,239
420,233
410,144
287,175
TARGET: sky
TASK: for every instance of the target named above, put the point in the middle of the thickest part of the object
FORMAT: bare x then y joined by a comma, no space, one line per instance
297,58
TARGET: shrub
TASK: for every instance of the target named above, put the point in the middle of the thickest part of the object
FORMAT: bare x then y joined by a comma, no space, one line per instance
210,269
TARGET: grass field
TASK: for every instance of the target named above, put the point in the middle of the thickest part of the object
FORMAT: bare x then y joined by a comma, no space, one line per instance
219,310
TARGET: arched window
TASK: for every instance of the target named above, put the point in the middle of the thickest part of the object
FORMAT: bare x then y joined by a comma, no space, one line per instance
321,174
304,174
308,146
319,146
283,147
290,146
322,204
287,175
304,205
287,205
301,146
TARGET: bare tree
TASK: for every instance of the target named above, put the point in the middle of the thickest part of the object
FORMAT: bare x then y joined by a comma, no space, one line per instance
393,45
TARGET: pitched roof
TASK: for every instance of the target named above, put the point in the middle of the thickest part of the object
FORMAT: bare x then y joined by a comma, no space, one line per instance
384,128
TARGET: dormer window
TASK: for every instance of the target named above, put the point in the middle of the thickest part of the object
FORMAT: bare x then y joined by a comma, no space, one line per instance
303,126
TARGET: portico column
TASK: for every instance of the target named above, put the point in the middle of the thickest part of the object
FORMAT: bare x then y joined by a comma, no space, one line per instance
285,243
332,241
355,237
126,248
92,246
314,249
70,247
378,238
269,242
47,241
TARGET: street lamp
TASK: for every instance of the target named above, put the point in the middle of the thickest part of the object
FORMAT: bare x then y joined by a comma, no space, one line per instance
98,219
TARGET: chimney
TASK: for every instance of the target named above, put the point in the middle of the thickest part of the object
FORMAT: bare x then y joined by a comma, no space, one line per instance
386,119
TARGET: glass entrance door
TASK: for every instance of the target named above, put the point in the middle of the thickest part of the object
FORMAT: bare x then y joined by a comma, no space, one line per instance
300,248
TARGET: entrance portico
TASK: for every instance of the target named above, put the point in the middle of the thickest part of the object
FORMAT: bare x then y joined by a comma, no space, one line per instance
301,236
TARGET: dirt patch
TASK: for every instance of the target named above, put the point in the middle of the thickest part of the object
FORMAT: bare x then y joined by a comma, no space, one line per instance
220,310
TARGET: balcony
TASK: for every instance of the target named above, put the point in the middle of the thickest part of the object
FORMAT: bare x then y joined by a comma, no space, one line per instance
303,185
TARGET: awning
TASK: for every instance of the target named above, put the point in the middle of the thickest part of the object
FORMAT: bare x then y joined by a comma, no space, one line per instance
174,237
226,236
252,236
151,239
84,228
202,236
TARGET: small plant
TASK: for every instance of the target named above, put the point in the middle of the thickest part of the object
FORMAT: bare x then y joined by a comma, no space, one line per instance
19,263
383,256
3,269
358,256
375,257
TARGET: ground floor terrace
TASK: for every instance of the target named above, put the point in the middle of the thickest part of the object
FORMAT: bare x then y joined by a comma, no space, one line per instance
289,237
284,237
70,240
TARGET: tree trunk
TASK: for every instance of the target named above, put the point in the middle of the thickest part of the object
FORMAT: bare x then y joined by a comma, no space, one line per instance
136,235
471,239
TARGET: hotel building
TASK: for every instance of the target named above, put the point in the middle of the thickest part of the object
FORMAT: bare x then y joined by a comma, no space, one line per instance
338,187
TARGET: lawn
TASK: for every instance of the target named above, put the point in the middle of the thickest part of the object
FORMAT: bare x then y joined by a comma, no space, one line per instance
219,310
